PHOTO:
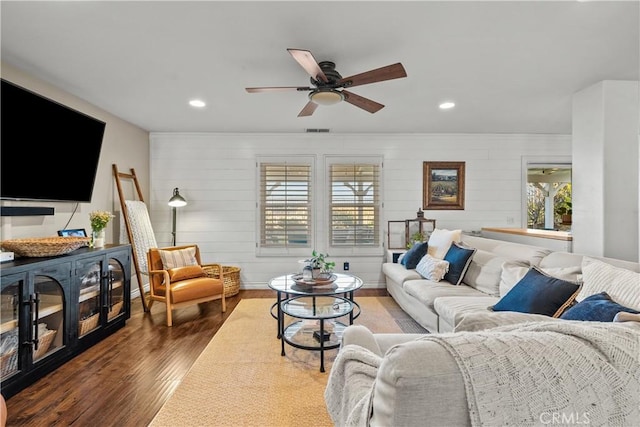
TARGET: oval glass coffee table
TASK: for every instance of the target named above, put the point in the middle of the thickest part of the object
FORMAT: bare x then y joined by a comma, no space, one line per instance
286,286
314,330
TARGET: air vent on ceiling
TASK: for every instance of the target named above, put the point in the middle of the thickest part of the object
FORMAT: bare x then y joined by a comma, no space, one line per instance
317,130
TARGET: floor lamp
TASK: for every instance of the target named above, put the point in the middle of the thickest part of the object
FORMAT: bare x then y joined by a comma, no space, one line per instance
176,201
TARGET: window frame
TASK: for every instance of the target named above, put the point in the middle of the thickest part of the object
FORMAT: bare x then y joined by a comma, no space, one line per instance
298,251
374,250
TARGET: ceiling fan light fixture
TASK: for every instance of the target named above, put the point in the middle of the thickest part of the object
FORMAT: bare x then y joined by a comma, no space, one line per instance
326,96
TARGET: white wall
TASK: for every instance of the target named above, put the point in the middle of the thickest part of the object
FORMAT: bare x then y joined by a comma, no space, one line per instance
605,170
124,144
216,174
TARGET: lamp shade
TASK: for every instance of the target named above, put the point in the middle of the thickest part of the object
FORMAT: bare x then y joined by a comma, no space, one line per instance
326,96
177,200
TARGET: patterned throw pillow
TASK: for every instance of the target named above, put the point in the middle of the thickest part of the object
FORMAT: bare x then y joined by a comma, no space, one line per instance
178,258
432,268
621,284
459,258
538,293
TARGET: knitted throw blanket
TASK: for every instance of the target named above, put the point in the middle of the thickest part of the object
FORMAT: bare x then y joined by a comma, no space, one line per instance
350,384
549,372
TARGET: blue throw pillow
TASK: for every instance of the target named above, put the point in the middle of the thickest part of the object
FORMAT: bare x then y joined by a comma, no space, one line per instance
596,308
459,258
413,256
538,293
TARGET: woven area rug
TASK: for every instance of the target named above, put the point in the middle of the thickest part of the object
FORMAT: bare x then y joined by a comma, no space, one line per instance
240,379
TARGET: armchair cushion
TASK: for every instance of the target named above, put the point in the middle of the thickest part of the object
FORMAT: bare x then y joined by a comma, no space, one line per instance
178,258
186,272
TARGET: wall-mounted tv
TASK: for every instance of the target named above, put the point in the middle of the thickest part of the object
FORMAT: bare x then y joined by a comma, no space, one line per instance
49,152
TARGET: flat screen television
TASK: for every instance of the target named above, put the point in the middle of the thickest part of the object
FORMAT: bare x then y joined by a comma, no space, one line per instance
49,152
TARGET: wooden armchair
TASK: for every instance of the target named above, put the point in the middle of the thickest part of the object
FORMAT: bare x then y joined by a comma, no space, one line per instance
176,277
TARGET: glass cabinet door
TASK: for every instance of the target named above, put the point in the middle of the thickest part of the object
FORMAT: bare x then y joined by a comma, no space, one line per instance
115,289
9,337
89,303
47,316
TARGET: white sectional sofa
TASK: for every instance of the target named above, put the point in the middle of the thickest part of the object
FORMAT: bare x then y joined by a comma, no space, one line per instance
484,367
443,307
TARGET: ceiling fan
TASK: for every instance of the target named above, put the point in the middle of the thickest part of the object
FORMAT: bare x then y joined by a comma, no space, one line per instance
328,85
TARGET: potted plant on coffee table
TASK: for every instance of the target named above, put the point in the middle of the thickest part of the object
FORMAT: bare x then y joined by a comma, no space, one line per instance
320,266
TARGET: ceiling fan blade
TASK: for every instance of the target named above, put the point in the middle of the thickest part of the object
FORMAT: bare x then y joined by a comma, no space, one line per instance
309,63
276,89
362,102
390,72
308,109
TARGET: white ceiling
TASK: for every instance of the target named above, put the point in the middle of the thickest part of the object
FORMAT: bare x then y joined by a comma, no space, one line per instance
511,67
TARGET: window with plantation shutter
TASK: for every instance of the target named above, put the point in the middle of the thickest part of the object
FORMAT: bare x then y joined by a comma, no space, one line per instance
285,206
355,204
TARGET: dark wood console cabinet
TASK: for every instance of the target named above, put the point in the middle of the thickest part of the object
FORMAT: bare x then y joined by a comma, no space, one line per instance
54,308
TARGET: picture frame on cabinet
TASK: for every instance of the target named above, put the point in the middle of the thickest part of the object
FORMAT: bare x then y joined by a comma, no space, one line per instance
76,232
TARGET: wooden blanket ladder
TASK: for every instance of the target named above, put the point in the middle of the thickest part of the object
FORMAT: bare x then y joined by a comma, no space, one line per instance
119,176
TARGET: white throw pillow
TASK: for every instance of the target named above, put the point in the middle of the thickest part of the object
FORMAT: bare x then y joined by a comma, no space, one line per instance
622,285
432,268
178,258
440,241
513,271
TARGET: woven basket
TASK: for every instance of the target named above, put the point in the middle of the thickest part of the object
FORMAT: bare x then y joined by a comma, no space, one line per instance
44,343
44,246
231,277
88,324
115,310
9,363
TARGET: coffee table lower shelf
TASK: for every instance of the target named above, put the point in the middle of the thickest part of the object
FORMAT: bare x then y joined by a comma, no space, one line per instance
317,315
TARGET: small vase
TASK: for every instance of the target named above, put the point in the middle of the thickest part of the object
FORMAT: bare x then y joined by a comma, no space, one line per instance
97,239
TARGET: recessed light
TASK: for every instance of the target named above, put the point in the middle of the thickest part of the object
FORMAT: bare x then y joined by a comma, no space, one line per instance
197,103
447,105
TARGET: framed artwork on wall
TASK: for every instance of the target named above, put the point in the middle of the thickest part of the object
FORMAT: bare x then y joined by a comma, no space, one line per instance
443,185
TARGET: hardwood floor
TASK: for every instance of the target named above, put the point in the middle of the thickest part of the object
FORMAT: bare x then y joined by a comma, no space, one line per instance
125,379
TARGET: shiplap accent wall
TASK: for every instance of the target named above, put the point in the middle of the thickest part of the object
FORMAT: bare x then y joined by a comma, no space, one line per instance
216,173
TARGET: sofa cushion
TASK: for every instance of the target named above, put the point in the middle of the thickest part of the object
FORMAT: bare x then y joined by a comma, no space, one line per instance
514,271
516,251
561,259
622,285
453,309
398,273
459,258
432,268
597,308
484,272
413,256
481,319
427,291
539,293
440,241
